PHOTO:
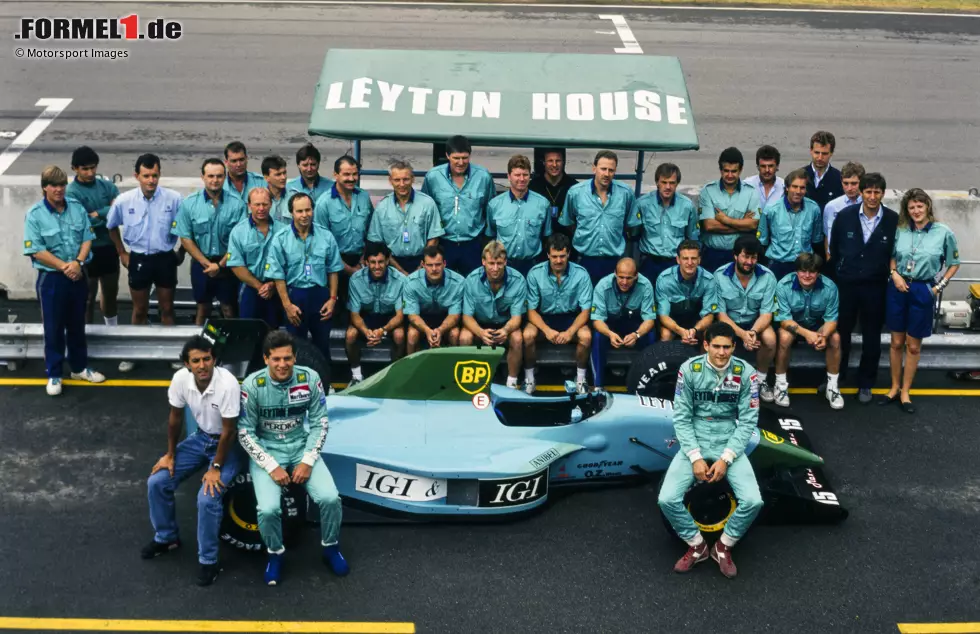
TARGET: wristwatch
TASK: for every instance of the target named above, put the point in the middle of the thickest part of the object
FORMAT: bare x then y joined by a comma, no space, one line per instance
384,333
215,465
80,261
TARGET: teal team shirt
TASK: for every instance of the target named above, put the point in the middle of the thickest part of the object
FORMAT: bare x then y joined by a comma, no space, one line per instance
608,302
249,248
208,226
744,199
405,232
425,298
809,308
461,209
320,187
280,207
744,305
921,255
664,228
548,297
347,223
96,197
303,263
519,223
600,230
790,233
61,234
252,180
673,289
380,297
487,307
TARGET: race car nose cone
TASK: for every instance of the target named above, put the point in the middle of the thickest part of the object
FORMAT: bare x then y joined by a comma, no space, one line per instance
597,442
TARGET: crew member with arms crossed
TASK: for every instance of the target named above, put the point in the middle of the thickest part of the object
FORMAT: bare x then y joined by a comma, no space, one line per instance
406,220
666,220
728,207
248,251
275,402
519,217
685,294
559,295
375,306
433,302
716,409
212,395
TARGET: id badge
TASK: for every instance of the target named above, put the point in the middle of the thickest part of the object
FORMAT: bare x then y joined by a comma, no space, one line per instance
554,211
308,270
405,237
909,266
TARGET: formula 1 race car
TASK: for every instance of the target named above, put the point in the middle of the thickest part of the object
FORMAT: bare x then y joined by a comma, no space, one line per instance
431,437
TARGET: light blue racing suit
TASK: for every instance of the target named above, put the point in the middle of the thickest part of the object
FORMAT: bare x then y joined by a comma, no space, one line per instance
715,413
272,432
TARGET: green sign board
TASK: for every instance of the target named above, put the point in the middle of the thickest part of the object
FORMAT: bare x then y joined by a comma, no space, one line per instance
628,102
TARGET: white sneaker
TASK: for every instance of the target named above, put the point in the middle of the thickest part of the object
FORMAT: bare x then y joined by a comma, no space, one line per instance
835,399
582,387
88,374
54,387
126,366
782,395
765,393
529,387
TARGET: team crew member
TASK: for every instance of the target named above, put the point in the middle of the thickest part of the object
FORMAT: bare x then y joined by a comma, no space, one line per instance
240,181
553,183
462,192
248,251
97,196
344,211
275,402
309,180
58,239
274,173
406,220
599,210
519,218
861,246
923,248
666,220
204,223
623,314
790,226
716,411
850,176
728,207
375,306
807,309
304,264
141,220
769,186
433,302
494,303
685,295
212,396
746,301
823,179
559,295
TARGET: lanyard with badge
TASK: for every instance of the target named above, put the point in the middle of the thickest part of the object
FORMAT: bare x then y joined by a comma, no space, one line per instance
406,236
910,263
554,202
307,266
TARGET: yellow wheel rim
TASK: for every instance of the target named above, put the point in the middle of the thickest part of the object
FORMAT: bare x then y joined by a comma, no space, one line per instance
238,520
714,528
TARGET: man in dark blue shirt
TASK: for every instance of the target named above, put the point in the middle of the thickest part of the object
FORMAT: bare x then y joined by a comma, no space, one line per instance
823,180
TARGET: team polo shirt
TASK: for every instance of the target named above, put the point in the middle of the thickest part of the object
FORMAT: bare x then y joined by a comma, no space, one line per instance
61,234
744,199
303,263
279,211
519,223
462,209
599,229
549,297
348,224
744,305
672,288
488,307
252,180
789,233
664,228
96,197
380,297
405,232
146,224
921,254
809,308
249,248
207,226
608,302
320,187
221,399
422,297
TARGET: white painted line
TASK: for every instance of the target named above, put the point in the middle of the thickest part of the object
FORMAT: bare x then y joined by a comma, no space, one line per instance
4,134
52,108
630,45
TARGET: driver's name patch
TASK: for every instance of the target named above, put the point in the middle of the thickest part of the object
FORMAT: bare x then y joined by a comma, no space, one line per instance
299,393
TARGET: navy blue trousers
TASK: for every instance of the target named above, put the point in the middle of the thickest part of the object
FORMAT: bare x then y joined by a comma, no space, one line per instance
63,314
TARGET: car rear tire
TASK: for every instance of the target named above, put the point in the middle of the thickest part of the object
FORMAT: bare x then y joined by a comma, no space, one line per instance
711,504
309,355
654,371
239,526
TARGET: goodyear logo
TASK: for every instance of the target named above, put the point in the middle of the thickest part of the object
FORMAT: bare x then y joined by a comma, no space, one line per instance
771,437
472,376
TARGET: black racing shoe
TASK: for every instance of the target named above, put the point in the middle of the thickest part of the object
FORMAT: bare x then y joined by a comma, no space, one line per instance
155,549
207,574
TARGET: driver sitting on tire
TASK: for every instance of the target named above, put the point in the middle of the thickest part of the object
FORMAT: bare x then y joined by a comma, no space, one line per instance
716,409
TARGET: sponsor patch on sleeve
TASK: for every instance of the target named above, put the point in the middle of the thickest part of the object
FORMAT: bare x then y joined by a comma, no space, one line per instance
244,397
680,383
28,243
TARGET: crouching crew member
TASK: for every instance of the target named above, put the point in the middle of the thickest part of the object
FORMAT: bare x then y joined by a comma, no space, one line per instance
686,299
248,251
519,218
559,295
807,308
716,410
433,302
375,306
494,303
623,314
275,402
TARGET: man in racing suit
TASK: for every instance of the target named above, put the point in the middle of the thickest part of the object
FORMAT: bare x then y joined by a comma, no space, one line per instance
716,409
275,402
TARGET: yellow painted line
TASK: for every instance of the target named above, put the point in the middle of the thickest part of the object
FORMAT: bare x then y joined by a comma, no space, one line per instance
939,628
126,625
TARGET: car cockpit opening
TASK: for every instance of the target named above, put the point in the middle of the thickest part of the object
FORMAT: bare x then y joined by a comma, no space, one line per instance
550,412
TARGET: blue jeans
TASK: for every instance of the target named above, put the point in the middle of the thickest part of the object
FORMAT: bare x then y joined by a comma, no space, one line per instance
622,326
63,315
310,301
194,452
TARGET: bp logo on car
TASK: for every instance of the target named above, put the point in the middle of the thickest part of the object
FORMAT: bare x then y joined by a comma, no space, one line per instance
514,491
472,376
